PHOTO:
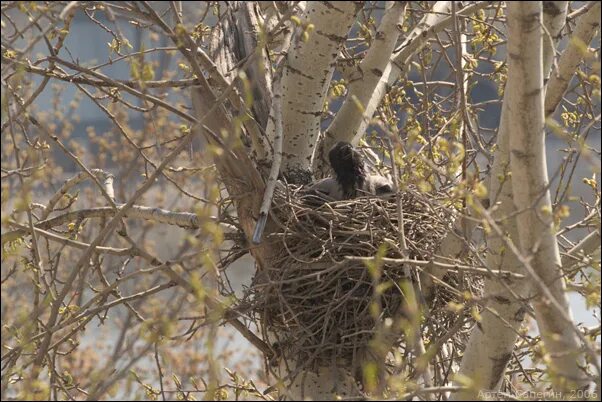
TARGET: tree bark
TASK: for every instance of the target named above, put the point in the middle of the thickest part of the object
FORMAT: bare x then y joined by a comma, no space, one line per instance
520,139
362,83
307,72
532,196
576,50
554,19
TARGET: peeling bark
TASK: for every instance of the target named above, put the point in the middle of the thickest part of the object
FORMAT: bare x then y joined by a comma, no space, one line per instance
252,40
237,171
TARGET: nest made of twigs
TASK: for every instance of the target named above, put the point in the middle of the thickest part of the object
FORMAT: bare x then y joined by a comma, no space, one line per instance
316,296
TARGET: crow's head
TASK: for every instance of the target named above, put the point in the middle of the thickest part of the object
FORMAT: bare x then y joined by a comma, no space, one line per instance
348,166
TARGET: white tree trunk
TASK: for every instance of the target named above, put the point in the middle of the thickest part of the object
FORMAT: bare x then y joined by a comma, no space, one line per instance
531,191
307,72
362,82
575,51
492,341
521,134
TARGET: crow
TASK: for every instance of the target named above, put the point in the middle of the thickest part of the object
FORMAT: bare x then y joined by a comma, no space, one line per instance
350,178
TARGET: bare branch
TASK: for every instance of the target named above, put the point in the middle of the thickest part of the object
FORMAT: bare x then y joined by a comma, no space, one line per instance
587,24
274,128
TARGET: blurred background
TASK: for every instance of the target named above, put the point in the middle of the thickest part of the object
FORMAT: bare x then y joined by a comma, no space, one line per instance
92,134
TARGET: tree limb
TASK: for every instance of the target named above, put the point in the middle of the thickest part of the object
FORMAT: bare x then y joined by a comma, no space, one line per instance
576,50
554,19
307,72
429,26
362,83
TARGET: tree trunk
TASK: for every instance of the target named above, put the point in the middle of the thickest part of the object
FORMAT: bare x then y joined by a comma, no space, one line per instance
530,187
518,181
305,79
362,83
297,105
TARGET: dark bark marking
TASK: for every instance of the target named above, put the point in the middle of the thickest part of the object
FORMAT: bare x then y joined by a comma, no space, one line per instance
502,299
377,72
497,371
519,316
299,72
550,8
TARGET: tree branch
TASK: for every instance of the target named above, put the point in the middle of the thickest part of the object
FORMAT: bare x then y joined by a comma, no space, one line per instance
184,220
554,19
586,247
274,129
362,83
571,57
307,72
429,26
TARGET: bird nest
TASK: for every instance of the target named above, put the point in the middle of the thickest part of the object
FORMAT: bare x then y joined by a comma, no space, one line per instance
339,272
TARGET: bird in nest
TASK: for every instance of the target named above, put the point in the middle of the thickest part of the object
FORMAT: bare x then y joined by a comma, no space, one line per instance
350,179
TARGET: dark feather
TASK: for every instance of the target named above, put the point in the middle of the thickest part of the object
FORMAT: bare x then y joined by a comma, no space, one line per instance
348,166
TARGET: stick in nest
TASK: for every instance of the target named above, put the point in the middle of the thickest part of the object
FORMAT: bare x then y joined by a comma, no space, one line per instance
318,300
